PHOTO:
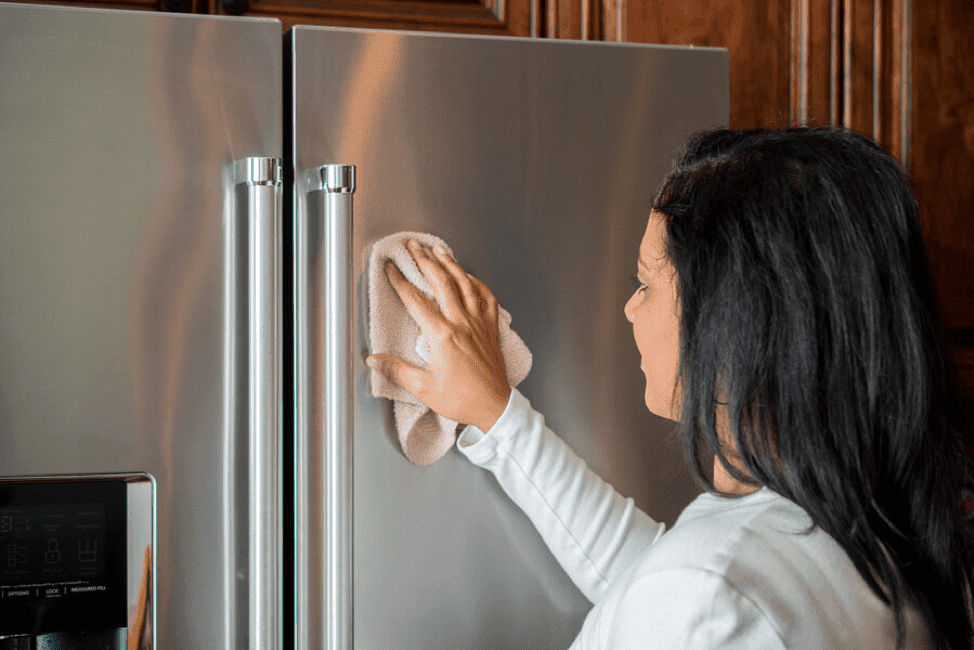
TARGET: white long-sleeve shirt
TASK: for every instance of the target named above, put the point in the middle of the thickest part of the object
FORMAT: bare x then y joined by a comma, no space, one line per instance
733,572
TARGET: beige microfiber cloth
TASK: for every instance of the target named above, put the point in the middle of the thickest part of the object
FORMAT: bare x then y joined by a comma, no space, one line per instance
424,435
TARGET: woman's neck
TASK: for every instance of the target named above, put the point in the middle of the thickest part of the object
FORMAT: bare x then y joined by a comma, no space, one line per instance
727,484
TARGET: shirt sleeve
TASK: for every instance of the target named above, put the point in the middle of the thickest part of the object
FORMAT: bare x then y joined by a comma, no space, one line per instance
687,609
593,531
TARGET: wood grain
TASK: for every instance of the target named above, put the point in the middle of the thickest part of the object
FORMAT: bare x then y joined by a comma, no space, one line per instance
757,33
858,81
894,64
812,76
496,17
942,160
145,5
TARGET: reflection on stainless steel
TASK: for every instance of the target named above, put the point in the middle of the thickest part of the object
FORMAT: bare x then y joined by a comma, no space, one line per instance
323,417
252,389
112,269
139,304
338,179
536,161
258,181
141,492
338,184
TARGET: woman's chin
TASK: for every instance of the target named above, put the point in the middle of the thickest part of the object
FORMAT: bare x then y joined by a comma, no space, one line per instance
652,403
658,407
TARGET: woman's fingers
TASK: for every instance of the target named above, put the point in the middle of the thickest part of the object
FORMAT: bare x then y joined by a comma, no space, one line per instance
397,371
417,305
439,279
489,304
471,297
465,377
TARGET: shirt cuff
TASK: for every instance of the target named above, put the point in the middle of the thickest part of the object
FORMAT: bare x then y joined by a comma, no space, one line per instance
480,446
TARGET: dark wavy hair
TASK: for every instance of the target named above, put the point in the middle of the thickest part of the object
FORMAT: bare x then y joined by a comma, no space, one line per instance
809,310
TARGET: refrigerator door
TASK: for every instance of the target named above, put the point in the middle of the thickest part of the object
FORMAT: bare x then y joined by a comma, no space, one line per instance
138,271
536,161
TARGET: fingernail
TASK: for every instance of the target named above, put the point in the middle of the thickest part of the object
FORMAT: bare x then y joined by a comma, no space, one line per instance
439,250
371,362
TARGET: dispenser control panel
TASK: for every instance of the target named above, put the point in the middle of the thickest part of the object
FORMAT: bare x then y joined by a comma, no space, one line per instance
62,556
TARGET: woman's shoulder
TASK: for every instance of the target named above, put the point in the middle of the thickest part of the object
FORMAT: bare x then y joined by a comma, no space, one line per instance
689,608
756,560
714,532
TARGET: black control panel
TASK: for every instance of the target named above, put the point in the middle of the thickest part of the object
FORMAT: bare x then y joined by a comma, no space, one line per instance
62,556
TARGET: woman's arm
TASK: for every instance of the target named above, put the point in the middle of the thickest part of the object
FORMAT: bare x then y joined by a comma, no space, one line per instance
593,532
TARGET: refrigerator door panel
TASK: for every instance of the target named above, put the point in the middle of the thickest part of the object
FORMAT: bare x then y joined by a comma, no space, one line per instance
123,329
536,160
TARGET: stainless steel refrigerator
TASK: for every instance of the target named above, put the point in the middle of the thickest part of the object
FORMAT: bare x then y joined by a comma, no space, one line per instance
185,417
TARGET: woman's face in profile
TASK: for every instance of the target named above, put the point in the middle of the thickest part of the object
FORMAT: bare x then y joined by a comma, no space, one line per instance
655,317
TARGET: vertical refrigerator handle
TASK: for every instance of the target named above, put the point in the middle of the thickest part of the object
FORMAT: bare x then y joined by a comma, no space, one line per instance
259,181
323,403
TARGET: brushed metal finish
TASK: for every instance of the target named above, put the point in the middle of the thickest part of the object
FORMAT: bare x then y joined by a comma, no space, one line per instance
536,161
142,579
262,216
339,413
113,252
338,178
257,171
309,524
324,415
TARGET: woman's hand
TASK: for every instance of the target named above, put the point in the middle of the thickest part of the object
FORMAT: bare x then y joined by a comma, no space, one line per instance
465,378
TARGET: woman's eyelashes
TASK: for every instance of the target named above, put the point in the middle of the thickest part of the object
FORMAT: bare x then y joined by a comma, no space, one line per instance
637,283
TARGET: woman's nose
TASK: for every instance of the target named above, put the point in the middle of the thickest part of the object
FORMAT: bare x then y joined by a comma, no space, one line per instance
630,308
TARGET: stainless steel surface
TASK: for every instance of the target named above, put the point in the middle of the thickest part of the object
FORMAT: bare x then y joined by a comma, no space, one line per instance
113,242
309,572
142,579
257,171
324,415
338,178
260,186
339,413
536,161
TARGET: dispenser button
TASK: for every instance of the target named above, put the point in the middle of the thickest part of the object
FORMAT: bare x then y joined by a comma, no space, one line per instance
18,592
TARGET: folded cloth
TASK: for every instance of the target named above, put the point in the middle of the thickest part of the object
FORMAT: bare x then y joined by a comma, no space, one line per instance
425,436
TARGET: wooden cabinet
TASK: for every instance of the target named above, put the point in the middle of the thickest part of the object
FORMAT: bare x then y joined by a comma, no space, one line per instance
896,70
498,17
942,151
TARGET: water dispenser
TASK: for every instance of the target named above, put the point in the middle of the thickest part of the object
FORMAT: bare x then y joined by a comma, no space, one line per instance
77,562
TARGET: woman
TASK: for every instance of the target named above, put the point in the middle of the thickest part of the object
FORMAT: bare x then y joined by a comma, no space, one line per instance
787,319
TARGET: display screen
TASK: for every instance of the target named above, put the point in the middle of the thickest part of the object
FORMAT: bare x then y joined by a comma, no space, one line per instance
62,556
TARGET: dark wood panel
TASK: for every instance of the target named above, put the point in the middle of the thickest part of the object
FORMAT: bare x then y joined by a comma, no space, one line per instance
613,20
149,5
575,19
498,17
893,62
757,33
964,358
858,54
814,62
942,160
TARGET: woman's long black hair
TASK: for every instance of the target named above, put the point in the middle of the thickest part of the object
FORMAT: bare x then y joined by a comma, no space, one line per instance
809,309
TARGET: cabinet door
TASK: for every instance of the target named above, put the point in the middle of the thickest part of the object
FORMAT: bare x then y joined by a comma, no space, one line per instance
495,17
